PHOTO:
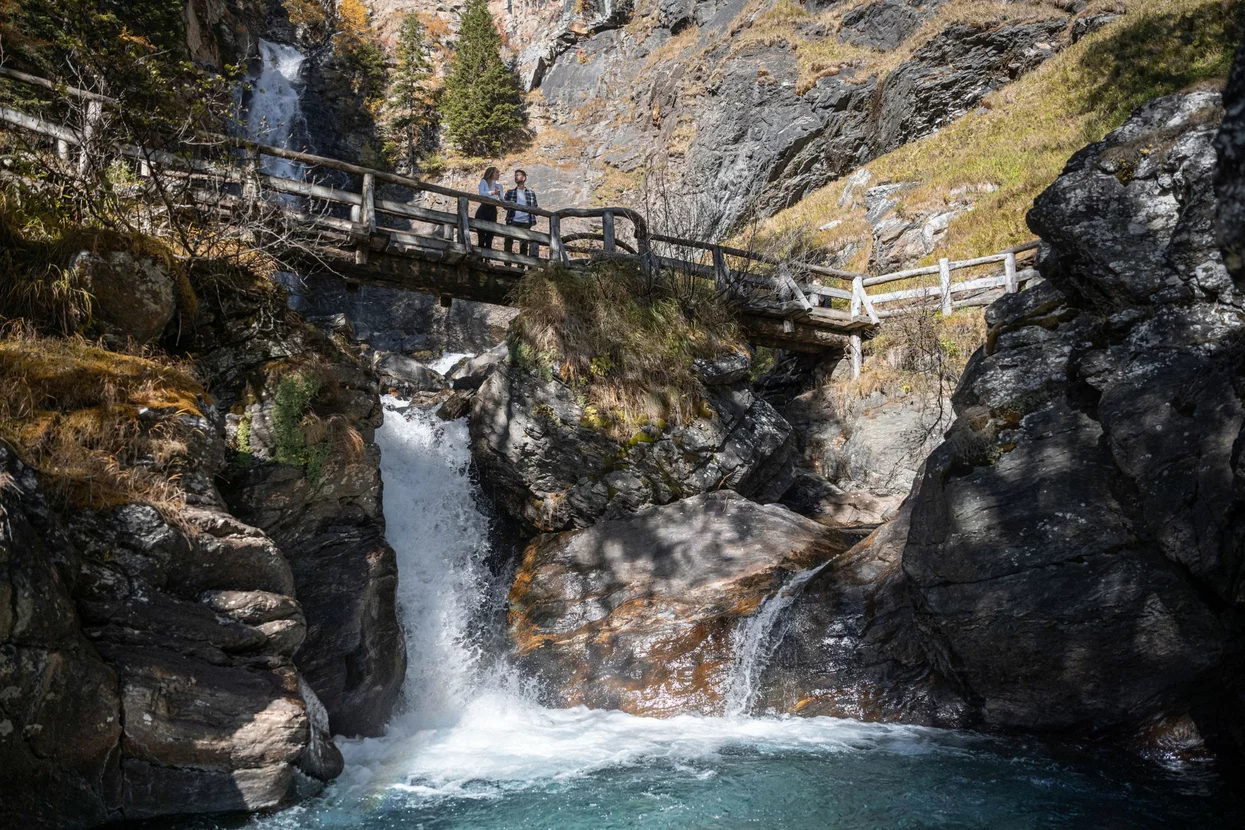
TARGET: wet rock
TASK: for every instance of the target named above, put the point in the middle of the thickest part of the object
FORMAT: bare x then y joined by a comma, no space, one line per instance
407,374
639,613
851,648
552,468
131,298
470,373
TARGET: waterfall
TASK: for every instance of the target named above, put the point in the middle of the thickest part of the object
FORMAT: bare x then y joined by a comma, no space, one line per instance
275,114
757,639
472,748
442,540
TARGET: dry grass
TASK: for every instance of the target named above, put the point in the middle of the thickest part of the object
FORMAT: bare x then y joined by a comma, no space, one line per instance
623,341
1021,137
919,352
38,241
104,428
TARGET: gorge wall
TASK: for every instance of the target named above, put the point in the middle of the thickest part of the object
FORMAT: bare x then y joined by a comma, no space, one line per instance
1067,559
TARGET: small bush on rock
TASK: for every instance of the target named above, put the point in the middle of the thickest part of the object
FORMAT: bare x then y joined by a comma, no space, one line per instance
300,437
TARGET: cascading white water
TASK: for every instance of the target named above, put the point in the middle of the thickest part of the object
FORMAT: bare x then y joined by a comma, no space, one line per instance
756,640
441,540
275,113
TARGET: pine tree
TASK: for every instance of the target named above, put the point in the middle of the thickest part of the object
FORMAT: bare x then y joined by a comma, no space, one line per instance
408,104
482,105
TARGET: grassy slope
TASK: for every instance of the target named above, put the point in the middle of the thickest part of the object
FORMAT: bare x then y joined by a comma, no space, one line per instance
1022,136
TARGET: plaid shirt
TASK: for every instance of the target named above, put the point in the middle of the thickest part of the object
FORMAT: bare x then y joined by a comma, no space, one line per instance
525,197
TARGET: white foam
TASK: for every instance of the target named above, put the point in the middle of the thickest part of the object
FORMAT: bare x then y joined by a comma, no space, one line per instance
447,361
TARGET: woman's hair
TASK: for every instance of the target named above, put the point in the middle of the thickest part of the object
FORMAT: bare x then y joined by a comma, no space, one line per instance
490,172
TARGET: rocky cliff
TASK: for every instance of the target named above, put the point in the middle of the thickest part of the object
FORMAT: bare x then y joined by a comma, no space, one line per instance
1067,559
172,657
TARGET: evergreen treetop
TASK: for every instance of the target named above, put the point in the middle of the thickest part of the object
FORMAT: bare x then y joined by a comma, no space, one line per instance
483,104
408,104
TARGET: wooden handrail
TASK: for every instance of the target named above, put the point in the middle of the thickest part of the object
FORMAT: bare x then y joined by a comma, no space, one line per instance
782,298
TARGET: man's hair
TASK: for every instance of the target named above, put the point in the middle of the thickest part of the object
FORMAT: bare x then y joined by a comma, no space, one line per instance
522,173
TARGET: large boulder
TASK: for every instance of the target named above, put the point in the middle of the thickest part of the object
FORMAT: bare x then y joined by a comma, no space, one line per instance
645,613
551,467
132,298
321,501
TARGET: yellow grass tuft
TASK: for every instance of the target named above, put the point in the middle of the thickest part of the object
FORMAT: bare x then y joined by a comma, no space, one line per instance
105,428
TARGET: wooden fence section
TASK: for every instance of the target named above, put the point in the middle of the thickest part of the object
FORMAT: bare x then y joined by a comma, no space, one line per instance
362,234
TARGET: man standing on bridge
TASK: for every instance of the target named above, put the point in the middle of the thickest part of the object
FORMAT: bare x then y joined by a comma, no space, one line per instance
521,196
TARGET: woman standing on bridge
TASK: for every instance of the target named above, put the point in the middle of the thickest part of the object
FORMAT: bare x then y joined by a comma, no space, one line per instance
490,186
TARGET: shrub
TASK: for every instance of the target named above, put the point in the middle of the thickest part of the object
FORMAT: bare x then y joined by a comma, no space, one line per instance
300,439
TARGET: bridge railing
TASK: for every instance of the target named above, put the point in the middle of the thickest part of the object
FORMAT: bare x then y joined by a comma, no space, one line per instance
342,200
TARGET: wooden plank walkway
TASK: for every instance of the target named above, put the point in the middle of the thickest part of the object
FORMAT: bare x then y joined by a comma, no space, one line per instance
351,225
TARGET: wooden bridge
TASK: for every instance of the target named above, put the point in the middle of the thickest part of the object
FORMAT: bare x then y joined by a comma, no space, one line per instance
370,227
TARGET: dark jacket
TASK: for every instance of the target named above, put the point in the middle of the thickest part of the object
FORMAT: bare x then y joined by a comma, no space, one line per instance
512,195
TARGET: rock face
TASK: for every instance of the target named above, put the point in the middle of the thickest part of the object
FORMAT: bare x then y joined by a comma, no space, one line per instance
405,321
1072,560
1071,542
147,667
641,613
686,97
325,512
851,648
131,298
552,469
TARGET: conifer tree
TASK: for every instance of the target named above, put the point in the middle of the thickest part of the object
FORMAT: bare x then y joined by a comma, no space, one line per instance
408,104
482,104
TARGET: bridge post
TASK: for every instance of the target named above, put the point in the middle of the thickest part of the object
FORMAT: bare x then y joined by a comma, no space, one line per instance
607,230
367,218
858,291
464,224
855,353
1009,271
944,282
721,271
250,176
94,111
557,252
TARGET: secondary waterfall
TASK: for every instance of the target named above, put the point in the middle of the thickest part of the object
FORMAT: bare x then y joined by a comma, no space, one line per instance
757,639
275,114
